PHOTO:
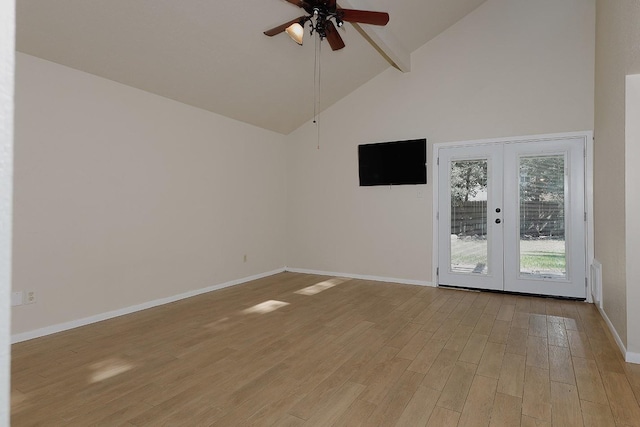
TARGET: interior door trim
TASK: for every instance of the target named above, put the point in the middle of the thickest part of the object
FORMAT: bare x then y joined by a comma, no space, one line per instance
585,136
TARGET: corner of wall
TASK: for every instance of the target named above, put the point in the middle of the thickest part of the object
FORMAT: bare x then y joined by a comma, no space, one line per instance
614,332
7,58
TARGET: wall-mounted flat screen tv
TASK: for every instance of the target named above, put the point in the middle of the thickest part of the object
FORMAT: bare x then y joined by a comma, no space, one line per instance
393,163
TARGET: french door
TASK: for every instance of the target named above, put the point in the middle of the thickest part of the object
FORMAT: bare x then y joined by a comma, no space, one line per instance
511,216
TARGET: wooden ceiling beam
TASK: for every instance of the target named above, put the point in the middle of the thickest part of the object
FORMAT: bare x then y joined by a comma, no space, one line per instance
382,40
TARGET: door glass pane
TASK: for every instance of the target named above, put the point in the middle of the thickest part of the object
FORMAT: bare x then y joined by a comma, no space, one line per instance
469,248
542,217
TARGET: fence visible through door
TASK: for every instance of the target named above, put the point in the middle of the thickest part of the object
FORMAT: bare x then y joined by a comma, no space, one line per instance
511,216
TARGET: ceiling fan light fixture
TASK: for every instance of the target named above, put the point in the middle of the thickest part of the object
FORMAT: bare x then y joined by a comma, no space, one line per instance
339,22
296,32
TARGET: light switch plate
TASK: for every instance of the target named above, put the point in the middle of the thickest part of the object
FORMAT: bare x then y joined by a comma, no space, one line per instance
16,298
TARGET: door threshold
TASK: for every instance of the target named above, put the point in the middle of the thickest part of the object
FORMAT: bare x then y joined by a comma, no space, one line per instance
524,294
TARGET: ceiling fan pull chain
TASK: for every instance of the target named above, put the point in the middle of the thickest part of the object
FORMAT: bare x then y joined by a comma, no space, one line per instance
315,81
318,92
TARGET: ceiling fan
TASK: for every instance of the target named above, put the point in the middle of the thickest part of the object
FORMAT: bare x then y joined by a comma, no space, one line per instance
321,14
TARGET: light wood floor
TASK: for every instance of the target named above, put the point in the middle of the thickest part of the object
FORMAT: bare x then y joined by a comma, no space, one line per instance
356,353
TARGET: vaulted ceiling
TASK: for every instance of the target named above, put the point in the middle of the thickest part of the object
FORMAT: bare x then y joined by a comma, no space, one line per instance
212,54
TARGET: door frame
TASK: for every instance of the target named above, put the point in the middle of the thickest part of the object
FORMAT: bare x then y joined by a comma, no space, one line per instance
585,136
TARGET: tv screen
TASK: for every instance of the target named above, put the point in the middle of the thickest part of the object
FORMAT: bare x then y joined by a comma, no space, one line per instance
393,163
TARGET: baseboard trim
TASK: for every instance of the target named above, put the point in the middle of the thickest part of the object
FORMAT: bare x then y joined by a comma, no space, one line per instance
633,358
628,356
60,327
360,276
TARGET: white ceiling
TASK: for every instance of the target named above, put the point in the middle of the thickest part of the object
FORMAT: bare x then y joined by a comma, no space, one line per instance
212,54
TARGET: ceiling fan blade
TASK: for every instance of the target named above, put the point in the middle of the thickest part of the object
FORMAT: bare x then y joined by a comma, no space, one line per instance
364,16
333,37
298,3
331,5
280,28
303,4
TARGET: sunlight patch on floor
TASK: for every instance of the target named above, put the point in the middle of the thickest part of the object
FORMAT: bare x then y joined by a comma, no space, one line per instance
265,307
108,369
322,286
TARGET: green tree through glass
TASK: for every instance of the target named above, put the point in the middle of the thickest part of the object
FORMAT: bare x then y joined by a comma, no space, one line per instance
467,178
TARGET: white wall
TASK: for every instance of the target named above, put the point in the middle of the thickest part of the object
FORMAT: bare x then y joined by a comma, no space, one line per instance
617,55
632,207
123,197
7,57
511,67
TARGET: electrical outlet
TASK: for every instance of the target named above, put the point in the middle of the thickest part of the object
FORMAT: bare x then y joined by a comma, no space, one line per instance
29,297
